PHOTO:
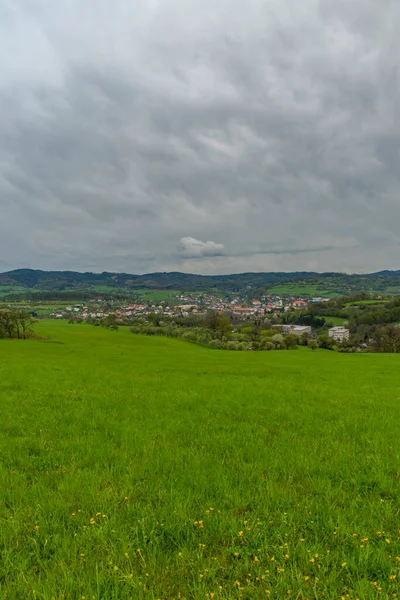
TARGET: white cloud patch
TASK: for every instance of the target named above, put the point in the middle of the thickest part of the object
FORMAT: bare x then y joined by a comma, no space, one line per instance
189,247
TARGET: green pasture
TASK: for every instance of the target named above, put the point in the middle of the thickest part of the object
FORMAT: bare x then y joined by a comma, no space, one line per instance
301,290
335,321
11,289
135,467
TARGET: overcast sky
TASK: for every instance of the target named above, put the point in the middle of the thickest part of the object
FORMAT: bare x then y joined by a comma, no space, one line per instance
204,136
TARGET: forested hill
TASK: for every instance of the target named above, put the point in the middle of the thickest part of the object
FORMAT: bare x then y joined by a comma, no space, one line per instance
296,283
67,280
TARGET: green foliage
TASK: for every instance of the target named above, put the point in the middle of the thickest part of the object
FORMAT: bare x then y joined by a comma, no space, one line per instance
387,339
71,280
15,324
216,336
291,342
267,332
339,284
279,341
312,343
218,324
145,467
303,317
324,341
160,286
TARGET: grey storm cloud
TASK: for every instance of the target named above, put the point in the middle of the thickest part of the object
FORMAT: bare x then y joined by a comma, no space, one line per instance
131,128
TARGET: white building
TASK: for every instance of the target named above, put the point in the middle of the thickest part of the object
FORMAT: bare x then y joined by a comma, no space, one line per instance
298,330
339,334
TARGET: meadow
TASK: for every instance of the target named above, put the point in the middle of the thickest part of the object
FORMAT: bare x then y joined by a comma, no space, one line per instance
140,467
335,321
296,289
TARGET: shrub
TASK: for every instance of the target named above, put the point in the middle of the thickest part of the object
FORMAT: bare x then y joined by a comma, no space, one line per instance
313,344
242,346
291,342
279,341
217,344
189,335
232,346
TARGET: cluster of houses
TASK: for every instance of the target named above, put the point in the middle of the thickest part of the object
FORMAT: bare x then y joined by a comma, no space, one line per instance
186,304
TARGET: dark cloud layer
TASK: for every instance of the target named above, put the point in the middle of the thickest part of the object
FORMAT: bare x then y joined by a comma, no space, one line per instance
200,136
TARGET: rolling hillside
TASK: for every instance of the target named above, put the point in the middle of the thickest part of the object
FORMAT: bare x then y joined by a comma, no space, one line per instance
296,283
142,468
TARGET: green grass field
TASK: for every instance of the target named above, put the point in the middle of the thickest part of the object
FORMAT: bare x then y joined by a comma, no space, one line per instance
136,467
335,320
301,290
11,289
157,295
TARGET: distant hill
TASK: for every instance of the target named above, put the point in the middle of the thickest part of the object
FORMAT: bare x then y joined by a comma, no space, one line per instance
71,280
296,283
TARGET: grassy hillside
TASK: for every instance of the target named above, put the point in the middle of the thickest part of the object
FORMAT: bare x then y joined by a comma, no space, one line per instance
36,280
135,467
297,283
331,285
302,289
335,321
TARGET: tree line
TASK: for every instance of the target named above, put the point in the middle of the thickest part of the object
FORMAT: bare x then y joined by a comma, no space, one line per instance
15,324
218,330
215,330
